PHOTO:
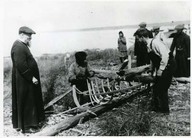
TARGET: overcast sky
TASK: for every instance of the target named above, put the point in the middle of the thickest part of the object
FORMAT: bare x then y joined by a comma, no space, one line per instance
56,15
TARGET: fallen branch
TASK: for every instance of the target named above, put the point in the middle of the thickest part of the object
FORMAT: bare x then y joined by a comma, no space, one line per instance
56,99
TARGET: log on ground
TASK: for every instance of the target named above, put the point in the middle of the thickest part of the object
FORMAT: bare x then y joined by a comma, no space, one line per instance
183,79
130,73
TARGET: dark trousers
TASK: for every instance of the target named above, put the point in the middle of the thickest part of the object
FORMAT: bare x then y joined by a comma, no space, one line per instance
123,58
123,65
160,92
142,59
82,86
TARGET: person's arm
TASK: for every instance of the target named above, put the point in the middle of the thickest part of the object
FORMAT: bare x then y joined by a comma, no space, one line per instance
118,41
172,46
123,40
72,75
160,49
20,59
187,43
150,34
136,43
91,73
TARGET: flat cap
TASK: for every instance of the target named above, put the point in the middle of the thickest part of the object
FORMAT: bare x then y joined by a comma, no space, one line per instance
156,28
26,30
180,27
143,24
142,32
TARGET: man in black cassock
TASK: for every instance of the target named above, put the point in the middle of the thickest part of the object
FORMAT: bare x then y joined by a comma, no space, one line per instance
27,102
181,43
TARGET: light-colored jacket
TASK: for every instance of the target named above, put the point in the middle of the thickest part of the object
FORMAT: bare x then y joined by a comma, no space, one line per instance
161,50
76,71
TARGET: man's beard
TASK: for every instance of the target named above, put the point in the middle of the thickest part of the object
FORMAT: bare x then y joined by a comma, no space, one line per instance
29,43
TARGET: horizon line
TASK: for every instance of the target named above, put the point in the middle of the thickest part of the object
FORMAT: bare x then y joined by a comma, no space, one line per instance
171,23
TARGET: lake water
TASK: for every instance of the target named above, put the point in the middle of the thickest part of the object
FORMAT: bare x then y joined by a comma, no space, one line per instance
62,42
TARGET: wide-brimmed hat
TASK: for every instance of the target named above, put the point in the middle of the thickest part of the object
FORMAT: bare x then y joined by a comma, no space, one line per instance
26,30
180,27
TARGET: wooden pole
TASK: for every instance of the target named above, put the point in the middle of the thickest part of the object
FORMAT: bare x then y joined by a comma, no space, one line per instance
129,63
183,79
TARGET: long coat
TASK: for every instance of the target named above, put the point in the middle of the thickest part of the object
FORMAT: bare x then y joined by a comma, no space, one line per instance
122,47
181,43
140,49
27,103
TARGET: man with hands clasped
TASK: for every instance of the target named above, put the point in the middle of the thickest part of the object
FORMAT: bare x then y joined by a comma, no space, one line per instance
27,102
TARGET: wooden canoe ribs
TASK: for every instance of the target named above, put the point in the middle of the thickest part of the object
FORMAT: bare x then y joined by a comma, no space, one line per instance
106,90
107,84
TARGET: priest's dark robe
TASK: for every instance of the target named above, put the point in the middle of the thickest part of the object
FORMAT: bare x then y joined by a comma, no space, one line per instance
181,43
27,102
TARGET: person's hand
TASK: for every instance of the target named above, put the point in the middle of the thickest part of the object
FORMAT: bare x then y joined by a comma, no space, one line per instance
73,79
34,80
188,58
92,73
159,72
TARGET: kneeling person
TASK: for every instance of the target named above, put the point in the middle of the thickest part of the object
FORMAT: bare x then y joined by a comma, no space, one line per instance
79,72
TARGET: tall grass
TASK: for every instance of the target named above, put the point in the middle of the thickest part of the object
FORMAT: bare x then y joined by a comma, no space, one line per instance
132,119
54,73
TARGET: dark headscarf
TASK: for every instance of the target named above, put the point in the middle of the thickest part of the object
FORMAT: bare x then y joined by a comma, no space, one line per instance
120,32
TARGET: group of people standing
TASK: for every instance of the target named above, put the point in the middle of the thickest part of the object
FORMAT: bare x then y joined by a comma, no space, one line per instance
150,47
180,47
27,102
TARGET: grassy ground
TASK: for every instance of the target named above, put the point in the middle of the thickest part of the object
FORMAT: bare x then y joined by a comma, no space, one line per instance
131,119
135,119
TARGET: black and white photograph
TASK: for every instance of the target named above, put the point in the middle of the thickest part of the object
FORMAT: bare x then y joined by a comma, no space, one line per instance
96,68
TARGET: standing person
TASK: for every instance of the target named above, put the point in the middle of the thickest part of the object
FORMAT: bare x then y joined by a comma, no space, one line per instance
140,48
156,30
122,47
79,72
181,43
163,70
154,57
27,103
